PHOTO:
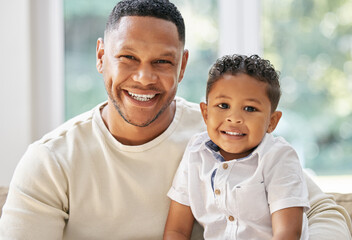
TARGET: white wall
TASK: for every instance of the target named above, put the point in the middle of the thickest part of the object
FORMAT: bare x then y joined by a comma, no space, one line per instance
31,76
239,27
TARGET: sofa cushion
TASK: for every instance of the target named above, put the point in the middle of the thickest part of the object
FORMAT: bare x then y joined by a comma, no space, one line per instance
345,200
3,194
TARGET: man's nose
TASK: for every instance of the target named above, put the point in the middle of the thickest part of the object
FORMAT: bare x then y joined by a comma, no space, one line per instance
145,75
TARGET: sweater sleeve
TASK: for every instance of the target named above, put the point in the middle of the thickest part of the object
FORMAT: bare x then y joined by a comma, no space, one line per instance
327,220
37,203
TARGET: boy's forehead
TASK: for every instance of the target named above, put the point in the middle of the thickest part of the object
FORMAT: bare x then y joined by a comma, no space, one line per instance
233,85
244,80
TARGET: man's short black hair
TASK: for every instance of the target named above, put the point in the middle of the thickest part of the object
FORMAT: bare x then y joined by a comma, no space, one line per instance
254,66
162,9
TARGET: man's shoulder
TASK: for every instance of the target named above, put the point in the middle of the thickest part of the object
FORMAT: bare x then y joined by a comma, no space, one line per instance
190,106
190,115
72,128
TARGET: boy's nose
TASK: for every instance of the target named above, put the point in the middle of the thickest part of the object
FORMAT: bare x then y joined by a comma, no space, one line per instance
235,118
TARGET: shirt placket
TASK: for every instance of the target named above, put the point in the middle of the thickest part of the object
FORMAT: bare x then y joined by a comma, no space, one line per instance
220,183
219,179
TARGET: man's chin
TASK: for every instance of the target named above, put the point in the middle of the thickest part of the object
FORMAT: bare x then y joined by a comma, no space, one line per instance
140,120
139,124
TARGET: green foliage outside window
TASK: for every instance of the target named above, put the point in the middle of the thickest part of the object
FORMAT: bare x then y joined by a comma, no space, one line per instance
311,43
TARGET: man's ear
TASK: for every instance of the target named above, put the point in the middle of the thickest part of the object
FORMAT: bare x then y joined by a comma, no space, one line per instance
274,120
99,55
204,110
183,64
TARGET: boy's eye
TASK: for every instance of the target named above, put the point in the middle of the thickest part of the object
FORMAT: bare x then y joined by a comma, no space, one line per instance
223,105
250,109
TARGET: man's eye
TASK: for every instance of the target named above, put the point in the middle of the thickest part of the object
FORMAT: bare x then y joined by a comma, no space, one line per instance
128,57
162,61
223,105
250,109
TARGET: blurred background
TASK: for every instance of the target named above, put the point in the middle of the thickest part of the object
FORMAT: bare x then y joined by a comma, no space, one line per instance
49,74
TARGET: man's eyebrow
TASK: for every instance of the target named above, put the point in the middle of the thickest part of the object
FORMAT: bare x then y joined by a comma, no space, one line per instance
127,48
170,53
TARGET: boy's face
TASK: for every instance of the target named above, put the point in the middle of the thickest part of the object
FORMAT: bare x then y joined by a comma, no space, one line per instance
238,114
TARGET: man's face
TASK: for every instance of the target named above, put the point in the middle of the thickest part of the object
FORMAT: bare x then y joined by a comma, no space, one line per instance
142,62
238,114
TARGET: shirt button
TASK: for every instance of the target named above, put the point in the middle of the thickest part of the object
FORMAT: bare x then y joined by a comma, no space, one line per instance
231,218
217,191
225,166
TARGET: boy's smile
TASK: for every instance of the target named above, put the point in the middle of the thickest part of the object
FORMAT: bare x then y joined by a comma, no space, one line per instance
238,114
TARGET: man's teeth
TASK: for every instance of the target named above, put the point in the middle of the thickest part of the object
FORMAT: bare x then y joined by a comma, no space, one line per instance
142,97
234,133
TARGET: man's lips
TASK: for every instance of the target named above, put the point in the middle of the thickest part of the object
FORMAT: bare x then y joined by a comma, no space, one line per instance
141,97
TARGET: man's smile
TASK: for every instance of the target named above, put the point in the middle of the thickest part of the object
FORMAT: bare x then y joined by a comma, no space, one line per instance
141,97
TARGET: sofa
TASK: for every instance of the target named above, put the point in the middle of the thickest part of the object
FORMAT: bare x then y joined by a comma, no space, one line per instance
343,199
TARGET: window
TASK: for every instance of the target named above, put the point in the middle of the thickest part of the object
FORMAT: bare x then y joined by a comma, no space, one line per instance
310,41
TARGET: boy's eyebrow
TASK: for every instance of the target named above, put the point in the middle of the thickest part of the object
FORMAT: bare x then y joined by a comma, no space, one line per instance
254,100
222,96
249,99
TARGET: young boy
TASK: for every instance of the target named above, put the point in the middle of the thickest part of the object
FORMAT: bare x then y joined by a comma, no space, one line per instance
237,180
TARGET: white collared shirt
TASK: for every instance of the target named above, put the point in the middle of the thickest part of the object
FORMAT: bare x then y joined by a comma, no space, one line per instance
235,199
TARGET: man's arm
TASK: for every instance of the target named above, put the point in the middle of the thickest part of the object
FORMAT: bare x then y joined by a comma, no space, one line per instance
179,222
326,219
287,223
36,202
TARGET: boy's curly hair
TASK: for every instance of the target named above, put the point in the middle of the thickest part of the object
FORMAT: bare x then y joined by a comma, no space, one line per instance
254,66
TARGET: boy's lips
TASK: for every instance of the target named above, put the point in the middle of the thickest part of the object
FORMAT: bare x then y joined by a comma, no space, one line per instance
233,133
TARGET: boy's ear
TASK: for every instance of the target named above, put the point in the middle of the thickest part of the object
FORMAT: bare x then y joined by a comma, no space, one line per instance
274,120
204,110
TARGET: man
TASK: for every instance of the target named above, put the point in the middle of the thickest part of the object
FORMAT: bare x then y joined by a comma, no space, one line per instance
105,173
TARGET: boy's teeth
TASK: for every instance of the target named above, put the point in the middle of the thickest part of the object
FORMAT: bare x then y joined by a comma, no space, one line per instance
142,97
234,133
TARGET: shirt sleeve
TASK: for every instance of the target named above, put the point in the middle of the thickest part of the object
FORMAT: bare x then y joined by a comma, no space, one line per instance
284,179
37,203
326,219
179,189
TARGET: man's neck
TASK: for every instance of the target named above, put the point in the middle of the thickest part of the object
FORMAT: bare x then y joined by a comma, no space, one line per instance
129,134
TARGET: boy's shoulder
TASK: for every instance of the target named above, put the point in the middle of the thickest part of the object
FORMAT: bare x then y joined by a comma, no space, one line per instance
197,141
273,144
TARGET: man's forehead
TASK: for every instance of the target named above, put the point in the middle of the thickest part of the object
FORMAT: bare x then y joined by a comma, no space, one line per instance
128,25
144,34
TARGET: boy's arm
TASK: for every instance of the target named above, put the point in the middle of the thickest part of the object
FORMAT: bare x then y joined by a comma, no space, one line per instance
179,222
287,223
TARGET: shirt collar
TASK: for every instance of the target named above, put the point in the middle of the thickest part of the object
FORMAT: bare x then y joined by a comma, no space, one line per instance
215,151
209,144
